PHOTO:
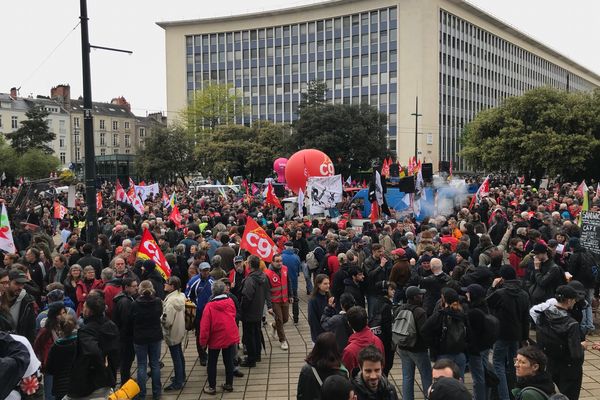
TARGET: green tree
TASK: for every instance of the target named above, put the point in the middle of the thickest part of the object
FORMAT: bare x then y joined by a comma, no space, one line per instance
544,131
315,95
8,160
34,132
214,105
168,154
35,164
240,150
351,135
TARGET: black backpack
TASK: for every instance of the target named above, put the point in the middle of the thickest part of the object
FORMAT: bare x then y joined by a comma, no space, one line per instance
491,331
553,342
453,338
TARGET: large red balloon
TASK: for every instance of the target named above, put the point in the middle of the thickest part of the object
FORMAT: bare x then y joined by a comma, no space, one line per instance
316,163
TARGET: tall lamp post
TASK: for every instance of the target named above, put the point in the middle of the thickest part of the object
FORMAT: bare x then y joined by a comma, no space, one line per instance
416,115
91,221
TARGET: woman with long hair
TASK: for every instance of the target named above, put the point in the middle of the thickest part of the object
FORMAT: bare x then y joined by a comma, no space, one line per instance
324,360
102,249
70,282
85,285
316,304
145,317
45,339
61,355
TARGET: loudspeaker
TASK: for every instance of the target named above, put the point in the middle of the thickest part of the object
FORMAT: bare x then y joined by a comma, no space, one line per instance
407,185
445,166
427,172
395,170
279,190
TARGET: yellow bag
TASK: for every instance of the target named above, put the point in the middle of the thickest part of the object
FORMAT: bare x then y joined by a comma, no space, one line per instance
128,391
190,315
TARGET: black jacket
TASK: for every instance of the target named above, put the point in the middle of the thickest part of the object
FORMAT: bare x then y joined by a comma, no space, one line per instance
120,315
383,316
58,364
316,305
96,357
14,360
27,314
355,290
255,292
52,272
157,281
476,315
377,274
145,320
580,266
482,275
331,321
337,282
308,386
510,304
385,390
433,332
420,316
568,328
545,281
433,284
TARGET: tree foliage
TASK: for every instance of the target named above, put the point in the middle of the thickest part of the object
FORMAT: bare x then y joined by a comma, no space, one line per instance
544,131
168,154
35,164
240,150
315,96
34,132
351,135
214,105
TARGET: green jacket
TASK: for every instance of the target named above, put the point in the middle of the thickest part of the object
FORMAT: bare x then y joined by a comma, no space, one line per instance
529,393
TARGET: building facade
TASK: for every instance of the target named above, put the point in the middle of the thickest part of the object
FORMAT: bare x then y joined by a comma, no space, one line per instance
13,111
453,57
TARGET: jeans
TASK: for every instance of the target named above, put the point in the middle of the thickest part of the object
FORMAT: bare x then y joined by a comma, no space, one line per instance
460,359
252,340
127,357
505,352
178,365
295,304
98,394
409,361
371,304
213,357
478,364
587,323
307,277
48,387
143,353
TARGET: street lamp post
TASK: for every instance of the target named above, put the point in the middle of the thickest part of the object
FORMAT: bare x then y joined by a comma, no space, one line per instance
416,115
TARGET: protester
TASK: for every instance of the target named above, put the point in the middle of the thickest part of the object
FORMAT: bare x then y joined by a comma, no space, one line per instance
256,292
362,337
145,320
335,322
337,387
20,304
173,326
533,381
121,313
86,285
61,355
371,383
293,263
219,333
280,299
316,305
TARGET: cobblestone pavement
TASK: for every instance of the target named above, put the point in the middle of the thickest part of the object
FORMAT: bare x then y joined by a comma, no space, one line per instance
276,377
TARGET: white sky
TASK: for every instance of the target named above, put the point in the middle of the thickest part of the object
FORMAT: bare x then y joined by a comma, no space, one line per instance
31,29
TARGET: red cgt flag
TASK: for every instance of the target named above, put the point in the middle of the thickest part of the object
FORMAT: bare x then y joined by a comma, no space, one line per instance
176,217
59,210
149,250
257,242
99,201
272,198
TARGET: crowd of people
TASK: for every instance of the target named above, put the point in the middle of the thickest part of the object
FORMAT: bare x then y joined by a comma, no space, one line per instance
447,295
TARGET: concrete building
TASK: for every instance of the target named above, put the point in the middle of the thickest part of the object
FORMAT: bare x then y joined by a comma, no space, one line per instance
454,57
12,112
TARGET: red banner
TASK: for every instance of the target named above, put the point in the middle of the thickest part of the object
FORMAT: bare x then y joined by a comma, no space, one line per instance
149,250
176,217
99,201
257,242
59,210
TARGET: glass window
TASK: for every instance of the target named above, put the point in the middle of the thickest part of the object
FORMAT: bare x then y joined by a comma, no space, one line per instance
374,17
393,35
303,29
311,27
346,83
383,56
253,35
355,81
338,83
383,37
383,15
364,19
346,62
365,80
374,79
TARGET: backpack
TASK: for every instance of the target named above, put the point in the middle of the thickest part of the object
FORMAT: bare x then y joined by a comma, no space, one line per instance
404,329
311,261
454,335
533,389
190,315
589,267
324,266
491,331
552,342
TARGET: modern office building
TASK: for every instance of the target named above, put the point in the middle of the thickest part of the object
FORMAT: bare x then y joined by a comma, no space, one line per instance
454,57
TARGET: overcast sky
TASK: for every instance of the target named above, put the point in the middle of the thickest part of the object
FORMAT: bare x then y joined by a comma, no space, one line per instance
32,29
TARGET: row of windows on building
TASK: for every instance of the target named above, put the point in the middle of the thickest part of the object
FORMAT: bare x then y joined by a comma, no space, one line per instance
478,70
78,154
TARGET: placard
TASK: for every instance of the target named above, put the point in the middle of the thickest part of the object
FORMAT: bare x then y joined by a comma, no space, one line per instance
590,231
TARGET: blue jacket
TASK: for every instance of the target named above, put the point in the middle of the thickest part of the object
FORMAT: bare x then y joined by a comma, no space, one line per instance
203,291
291,260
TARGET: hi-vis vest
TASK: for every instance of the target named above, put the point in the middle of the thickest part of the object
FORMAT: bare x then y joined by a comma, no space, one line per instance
279,289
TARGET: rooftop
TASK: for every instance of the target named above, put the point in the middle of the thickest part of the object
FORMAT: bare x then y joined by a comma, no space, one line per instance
110,109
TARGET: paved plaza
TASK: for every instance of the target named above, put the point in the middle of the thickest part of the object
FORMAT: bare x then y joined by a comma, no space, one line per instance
276,377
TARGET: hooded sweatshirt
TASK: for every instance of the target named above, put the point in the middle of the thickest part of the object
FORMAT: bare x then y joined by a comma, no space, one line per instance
356,342
218,329
567,331
173,318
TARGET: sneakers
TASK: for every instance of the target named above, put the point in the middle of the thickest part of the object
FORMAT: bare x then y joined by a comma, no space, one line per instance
227,387
210,390
173,387
247,364
284,346
237,373
273,331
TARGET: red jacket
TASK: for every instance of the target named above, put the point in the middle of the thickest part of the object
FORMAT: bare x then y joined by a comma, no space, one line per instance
41,346
218,329
279,284
450,239
82,292
110,291
356,342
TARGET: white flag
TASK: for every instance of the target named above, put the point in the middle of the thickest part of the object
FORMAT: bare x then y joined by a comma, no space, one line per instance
349,180
144,191
300,203
3,177
323,192
6,238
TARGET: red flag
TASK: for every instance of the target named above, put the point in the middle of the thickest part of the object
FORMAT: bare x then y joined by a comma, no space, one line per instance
131,184
99,201
257,242
385,169
59,210
272,198
254,189
176,217
364,183
374,216
120,194
450,170
165,199
142,183
149,250
483,191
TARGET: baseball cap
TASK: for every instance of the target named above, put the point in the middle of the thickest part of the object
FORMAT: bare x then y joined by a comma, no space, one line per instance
204,265
476,291
540,248
552,243
238,259
412,291
320,238
566,292
17,276
55,295
400,252
579,288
